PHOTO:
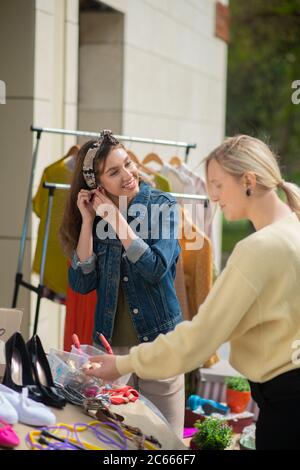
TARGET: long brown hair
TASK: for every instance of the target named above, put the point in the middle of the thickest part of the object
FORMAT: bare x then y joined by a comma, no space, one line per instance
71,222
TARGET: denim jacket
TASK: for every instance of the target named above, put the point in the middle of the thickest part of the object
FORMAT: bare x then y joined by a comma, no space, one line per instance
146,270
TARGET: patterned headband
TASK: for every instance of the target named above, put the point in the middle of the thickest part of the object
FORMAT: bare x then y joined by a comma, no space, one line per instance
88,163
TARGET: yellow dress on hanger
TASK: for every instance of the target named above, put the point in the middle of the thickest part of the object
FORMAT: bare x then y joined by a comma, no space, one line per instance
162,183
56,267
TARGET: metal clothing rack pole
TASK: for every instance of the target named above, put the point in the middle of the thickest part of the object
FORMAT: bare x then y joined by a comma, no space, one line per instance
125,138
43,260
51,188
19,275
198,197
39,130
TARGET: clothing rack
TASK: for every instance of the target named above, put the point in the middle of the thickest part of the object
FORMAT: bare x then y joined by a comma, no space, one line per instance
51,188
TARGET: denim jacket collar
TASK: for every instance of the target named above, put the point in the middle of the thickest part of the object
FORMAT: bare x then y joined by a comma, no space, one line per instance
137,210
142,199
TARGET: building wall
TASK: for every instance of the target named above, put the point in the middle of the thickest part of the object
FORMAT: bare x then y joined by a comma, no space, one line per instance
100,92
175,73
39,67
16,65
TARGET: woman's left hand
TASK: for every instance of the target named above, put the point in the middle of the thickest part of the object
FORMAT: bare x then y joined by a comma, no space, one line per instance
103,367
104,206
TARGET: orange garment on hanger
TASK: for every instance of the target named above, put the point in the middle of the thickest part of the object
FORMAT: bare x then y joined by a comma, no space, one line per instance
180,288
198,267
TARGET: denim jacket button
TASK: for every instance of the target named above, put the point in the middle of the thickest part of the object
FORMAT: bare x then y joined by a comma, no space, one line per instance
135,310
125,278
145,338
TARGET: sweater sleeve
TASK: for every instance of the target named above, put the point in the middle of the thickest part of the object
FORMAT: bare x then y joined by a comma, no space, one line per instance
193,342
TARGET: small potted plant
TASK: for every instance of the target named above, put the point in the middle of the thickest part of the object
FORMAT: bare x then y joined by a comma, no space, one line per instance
212,434
237,393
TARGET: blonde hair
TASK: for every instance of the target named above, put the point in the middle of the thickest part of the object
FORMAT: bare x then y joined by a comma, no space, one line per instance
243,153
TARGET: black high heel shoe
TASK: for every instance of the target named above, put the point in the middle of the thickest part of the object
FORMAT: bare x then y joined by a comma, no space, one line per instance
42,373
18,373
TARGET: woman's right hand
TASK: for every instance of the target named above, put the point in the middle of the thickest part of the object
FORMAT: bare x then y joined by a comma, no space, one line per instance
103,367
85,206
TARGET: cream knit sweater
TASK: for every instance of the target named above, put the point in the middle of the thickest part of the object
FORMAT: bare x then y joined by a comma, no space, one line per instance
254,304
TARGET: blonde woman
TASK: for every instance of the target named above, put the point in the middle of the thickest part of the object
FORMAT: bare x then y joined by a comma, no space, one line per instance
255,302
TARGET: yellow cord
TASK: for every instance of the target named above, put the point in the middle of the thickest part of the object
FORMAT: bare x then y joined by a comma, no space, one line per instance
35,435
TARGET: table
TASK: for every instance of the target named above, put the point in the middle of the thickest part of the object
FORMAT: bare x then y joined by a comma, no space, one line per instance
136,414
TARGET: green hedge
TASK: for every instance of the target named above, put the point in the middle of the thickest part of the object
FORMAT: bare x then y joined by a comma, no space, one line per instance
233,232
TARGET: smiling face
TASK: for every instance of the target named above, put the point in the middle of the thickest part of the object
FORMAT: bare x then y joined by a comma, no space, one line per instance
119,177
228,191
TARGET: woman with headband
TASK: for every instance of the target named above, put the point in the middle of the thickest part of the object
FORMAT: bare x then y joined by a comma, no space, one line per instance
255,302
122,237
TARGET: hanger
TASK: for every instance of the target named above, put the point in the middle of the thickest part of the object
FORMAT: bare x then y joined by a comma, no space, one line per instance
175,161
73,151
153,157
70,158
140,165
133,157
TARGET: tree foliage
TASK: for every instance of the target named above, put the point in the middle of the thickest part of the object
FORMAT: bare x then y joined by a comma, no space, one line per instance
263,62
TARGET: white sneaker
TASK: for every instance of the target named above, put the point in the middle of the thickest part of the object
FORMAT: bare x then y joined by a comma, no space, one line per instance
7,411
29,411
14,397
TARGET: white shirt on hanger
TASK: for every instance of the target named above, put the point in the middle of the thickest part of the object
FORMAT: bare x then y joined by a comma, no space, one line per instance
182,182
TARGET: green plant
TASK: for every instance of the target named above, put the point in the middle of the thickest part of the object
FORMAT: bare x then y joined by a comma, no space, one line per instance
237,383
212,434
